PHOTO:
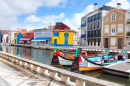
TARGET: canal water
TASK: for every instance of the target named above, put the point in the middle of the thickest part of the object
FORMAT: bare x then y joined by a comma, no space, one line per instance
45,56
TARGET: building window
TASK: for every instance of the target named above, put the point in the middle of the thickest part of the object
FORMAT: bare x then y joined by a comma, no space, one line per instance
121,18
113,30
89,20
106,19
88,26
91,41
99,33
29,34
106,29
56,34
98,24
98,42
91,27
113,41
94,26
95,17
120,28
48,33
92,18
88,41
113,17
37,33
94,42
42,33
99,16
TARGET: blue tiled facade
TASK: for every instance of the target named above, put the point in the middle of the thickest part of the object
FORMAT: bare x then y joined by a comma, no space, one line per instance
19,36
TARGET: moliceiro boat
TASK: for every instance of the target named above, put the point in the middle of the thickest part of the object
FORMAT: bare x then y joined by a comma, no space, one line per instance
59,59
81,63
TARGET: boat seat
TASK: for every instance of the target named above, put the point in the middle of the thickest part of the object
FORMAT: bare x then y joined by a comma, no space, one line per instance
95,59
107,57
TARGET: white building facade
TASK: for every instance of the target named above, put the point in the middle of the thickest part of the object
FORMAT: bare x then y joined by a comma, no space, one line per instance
11,37
4,38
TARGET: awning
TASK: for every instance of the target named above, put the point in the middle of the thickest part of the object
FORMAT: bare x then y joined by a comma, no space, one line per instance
40,39
25,39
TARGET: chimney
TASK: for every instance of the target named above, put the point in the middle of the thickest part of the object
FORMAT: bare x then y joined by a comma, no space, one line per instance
118,5
95,6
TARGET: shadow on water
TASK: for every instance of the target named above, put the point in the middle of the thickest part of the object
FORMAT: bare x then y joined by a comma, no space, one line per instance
45,56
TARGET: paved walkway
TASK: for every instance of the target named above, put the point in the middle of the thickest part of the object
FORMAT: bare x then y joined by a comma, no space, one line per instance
15,77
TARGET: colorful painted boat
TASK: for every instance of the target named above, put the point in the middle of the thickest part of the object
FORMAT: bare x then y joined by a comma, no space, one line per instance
95,63
67,61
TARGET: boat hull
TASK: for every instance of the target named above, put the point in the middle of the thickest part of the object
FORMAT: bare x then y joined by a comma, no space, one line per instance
89,68
86,65
64,61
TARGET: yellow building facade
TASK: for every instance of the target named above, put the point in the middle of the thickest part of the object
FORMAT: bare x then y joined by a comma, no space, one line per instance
15,38
62,37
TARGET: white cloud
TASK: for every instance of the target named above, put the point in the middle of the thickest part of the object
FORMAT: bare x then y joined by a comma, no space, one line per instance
75,22
124,3
32,18
46,19
51,18
10,9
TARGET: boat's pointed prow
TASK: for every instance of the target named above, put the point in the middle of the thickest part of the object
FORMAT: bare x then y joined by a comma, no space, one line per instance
55,60
75,64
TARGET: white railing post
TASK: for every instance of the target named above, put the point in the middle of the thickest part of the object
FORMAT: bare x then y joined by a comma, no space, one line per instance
80,83
22,63
52,74
42,71
64,78
35,68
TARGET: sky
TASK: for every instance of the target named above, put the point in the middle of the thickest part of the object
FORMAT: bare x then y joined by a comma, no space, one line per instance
34,14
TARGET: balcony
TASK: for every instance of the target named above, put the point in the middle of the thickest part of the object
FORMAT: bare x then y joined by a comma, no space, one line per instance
84,24
83,35
128,21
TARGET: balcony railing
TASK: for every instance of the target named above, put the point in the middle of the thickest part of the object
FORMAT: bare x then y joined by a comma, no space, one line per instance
84,24
83,35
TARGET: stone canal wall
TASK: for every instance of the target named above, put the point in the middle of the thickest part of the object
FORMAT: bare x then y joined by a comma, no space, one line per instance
53,72
69,48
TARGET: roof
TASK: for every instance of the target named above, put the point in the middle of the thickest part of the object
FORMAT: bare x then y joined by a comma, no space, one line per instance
93,11
56,30
31,31
75,31
123,11
5,30
6,34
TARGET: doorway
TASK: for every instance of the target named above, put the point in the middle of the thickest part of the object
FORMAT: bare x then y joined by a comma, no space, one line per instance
106,42
120,43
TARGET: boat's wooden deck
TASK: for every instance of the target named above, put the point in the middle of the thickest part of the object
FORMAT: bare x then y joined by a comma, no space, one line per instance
121,68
